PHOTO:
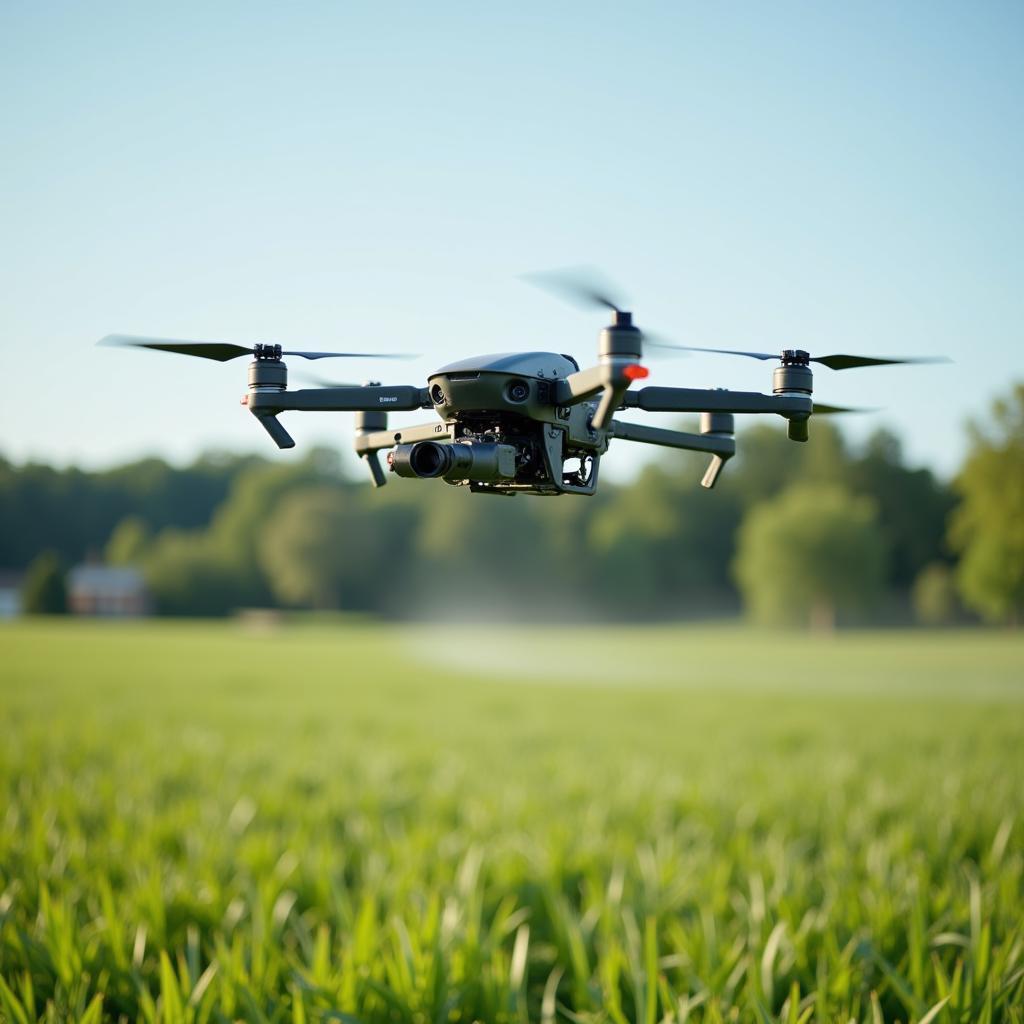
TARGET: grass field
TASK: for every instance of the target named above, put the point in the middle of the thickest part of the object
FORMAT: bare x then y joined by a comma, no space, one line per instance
377,823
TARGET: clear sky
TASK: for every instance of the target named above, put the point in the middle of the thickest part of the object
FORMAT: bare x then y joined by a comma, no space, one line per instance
834,176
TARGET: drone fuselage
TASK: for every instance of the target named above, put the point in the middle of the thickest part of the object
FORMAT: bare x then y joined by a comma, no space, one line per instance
510,400
524,422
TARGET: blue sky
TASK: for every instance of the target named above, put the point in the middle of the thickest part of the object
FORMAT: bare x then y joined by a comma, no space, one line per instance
839,177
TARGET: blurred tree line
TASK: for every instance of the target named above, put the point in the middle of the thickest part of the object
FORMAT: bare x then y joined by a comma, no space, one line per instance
796,533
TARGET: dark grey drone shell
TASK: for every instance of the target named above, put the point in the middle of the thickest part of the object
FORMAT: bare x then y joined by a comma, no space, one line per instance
516,382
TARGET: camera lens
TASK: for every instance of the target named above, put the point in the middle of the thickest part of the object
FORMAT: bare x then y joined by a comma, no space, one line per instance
518,391
428,459
437,395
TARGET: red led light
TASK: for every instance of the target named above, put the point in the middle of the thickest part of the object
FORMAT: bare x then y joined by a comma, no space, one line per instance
245,400
635,372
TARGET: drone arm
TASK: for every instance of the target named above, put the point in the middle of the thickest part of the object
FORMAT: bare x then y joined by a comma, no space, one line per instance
715,444
580,386
265,406
375,441
611,378
401,398
369,441
721,447
655,399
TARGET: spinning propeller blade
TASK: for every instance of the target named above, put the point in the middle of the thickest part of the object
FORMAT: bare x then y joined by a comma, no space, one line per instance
721,351
824,409
321,382
834,362
221,352
583,286
842,362
216,350
662,344
586,287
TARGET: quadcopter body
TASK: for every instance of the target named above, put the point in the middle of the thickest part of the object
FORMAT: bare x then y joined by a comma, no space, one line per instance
526,422
506,433
518,422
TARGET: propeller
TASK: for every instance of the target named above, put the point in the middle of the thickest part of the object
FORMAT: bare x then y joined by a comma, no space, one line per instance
664,346
586,287
824,409
221,352
582,286
833,362
322,382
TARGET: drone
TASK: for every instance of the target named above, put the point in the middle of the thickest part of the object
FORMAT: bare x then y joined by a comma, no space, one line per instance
528,422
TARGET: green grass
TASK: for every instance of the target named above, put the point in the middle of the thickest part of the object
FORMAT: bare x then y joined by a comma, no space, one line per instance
377,823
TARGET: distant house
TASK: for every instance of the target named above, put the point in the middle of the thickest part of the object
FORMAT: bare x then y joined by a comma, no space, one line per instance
106,590
10,594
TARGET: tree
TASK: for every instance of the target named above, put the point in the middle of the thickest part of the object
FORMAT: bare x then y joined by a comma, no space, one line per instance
44,591
34,502
987,528
506,557
299,554
934,595
187,575
128,542
329,549
808,554
913,507
666,543
217,568
767,462
242,525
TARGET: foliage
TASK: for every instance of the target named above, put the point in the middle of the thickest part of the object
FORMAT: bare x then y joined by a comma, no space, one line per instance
988,526
215,570
767,462
326,544
666,544
934,595
128,542
189,575
660,545
206,823
35,502
808,554
913,507
302,554
44,590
